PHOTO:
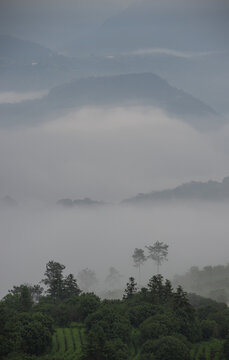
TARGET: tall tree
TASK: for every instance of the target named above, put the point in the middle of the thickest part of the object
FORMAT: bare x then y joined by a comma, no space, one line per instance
70,286
54,279
139,259
131,288
158,252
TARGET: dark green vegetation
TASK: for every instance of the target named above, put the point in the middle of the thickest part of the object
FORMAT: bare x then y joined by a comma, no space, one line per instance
154,323
211,282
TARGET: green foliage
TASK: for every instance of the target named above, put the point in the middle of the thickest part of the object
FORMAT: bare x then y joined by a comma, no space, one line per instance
131,289
138,313
36,333
103,326
170,348
9,330
156,323
36,338
158,291
208,329
115,350
70,287
88,304
59,287
54,279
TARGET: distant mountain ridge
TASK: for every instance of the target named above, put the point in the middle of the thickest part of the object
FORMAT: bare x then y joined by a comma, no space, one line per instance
26,65
121,90
183,25
194,190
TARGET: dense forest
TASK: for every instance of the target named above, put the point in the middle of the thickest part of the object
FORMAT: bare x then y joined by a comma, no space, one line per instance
155,322
211,282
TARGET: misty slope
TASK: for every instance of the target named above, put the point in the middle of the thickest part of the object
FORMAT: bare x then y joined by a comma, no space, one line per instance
194,25
132,89
204,191
191,27
27,65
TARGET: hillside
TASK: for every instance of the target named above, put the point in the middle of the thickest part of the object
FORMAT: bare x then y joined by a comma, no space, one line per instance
156,322
25,65
194,190
121,90
198,25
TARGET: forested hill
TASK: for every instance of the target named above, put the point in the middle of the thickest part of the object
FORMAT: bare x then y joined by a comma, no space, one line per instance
194,190
211,282
155,322
143,89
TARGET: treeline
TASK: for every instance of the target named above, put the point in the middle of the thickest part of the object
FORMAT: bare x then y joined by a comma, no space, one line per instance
211,282
154,323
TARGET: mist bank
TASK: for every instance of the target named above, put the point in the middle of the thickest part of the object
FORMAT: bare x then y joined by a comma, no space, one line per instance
107,154
106,237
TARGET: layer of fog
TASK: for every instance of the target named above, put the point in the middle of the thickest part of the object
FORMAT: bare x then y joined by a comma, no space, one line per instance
107,154
12,97
100,238
170,52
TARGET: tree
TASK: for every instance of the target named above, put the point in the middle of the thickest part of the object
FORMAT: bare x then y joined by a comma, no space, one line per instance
36,337
139,259
87,279
158,252
166,348
131,288
24,295
54,279
70,287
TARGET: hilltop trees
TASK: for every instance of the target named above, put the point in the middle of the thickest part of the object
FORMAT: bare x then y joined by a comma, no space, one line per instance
158,252
58,286
54,279
139,259
131,288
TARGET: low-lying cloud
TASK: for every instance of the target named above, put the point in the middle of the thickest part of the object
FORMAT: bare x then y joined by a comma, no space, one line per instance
170,52
12,97
107,154
103,237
